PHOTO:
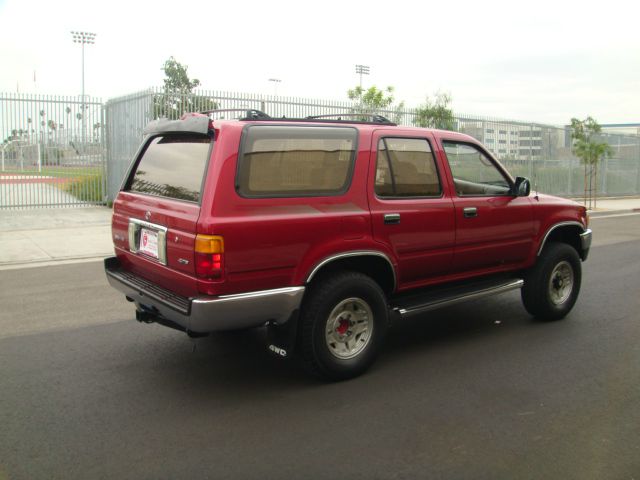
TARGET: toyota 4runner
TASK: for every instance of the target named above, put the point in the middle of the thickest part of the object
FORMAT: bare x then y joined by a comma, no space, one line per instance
326,230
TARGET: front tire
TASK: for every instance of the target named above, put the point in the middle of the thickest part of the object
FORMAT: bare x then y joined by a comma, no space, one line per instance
343,323
552,285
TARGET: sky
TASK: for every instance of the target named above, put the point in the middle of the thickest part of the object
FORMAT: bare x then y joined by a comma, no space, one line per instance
543,61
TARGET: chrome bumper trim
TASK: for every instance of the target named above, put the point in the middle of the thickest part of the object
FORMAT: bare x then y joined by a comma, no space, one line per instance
585,238
229,312
209,314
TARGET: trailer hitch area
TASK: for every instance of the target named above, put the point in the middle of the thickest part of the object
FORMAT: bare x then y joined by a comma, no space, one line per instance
146,316
149,315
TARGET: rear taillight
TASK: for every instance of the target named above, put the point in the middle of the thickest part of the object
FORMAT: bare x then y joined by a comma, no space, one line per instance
209,257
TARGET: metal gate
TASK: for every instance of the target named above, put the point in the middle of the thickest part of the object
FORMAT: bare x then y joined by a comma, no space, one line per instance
52,151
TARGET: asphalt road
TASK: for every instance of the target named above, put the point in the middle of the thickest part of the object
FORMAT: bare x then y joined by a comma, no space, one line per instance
476,391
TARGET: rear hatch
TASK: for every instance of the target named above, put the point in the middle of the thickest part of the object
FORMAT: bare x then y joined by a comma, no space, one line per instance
156,213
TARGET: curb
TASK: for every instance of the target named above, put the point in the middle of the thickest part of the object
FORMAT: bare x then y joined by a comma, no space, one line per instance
53,261
603,213
53,228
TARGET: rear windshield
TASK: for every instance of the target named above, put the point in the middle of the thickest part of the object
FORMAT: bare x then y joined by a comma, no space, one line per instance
172,166
286,161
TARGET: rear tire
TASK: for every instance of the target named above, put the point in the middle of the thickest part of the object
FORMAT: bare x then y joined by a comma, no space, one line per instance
552,285
343,323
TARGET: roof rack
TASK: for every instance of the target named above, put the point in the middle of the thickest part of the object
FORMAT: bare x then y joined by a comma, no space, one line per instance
251,114
374,117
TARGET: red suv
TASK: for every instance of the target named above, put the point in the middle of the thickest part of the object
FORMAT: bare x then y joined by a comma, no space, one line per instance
327,230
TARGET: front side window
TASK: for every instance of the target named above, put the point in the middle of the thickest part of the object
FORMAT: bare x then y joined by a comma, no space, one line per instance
406,167
172,166
287,161
473,172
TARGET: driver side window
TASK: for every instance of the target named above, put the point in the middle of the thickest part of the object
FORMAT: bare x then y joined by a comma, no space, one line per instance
474,174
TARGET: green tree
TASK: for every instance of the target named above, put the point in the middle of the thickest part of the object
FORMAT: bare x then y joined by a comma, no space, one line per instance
177,96
436,113
590,152
374,101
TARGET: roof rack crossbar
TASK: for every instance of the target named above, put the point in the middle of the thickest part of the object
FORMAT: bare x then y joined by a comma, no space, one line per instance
251,113
375,118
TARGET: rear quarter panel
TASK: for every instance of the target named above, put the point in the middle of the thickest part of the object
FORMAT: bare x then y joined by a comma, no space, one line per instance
276,242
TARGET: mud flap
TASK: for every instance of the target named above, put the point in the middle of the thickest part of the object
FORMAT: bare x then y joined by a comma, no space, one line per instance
281,339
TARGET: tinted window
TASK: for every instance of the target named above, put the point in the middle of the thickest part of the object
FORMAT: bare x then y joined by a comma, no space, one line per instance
406,167
172,166
473,172
290,161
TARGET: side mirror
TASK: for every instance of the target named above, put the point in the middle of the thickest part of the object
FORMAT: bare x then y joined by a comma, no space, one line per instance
522,187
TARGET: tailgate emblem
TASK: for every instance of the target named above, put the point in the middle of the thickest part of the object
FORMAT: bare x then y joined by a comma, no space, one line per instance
147,215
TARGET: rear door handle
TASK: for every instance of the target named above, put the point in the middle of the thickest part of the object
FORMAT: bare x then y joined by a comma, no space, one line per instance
391,218
470,212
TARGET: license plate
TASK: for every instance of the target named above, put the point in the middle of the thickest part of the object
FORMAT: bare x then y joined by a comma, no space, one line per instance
148,242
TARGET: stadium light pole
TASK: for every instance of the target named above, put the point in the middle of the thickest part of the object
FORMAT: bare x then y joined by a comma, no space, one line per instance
275,81
83,38
362,70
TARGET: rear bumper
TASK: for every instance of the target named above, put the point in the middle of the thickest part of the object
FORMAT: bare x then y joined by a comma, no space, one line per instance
205,314
585,238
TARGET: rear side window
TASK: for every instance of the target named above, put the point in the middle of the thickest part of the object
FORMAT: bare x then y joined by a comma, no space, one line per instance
172,166
406,167
287,161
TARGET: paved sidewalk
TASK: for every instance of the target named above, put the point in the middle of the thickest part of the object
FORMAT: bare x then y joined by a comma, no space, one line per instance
46,236
32,190
606,206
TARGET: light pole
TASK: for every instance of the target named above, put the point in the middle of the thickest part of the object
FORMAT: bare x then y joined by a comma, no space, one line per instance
275,81
362,70
83,38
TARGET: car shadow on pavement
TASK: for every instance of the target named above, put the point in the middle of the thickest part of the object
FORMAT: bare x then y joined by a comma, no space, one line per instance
460,322
226,364
240,359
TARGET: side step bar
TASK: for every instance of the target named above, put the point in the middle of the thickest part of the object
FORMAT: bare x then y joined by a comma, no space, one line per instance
442,297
